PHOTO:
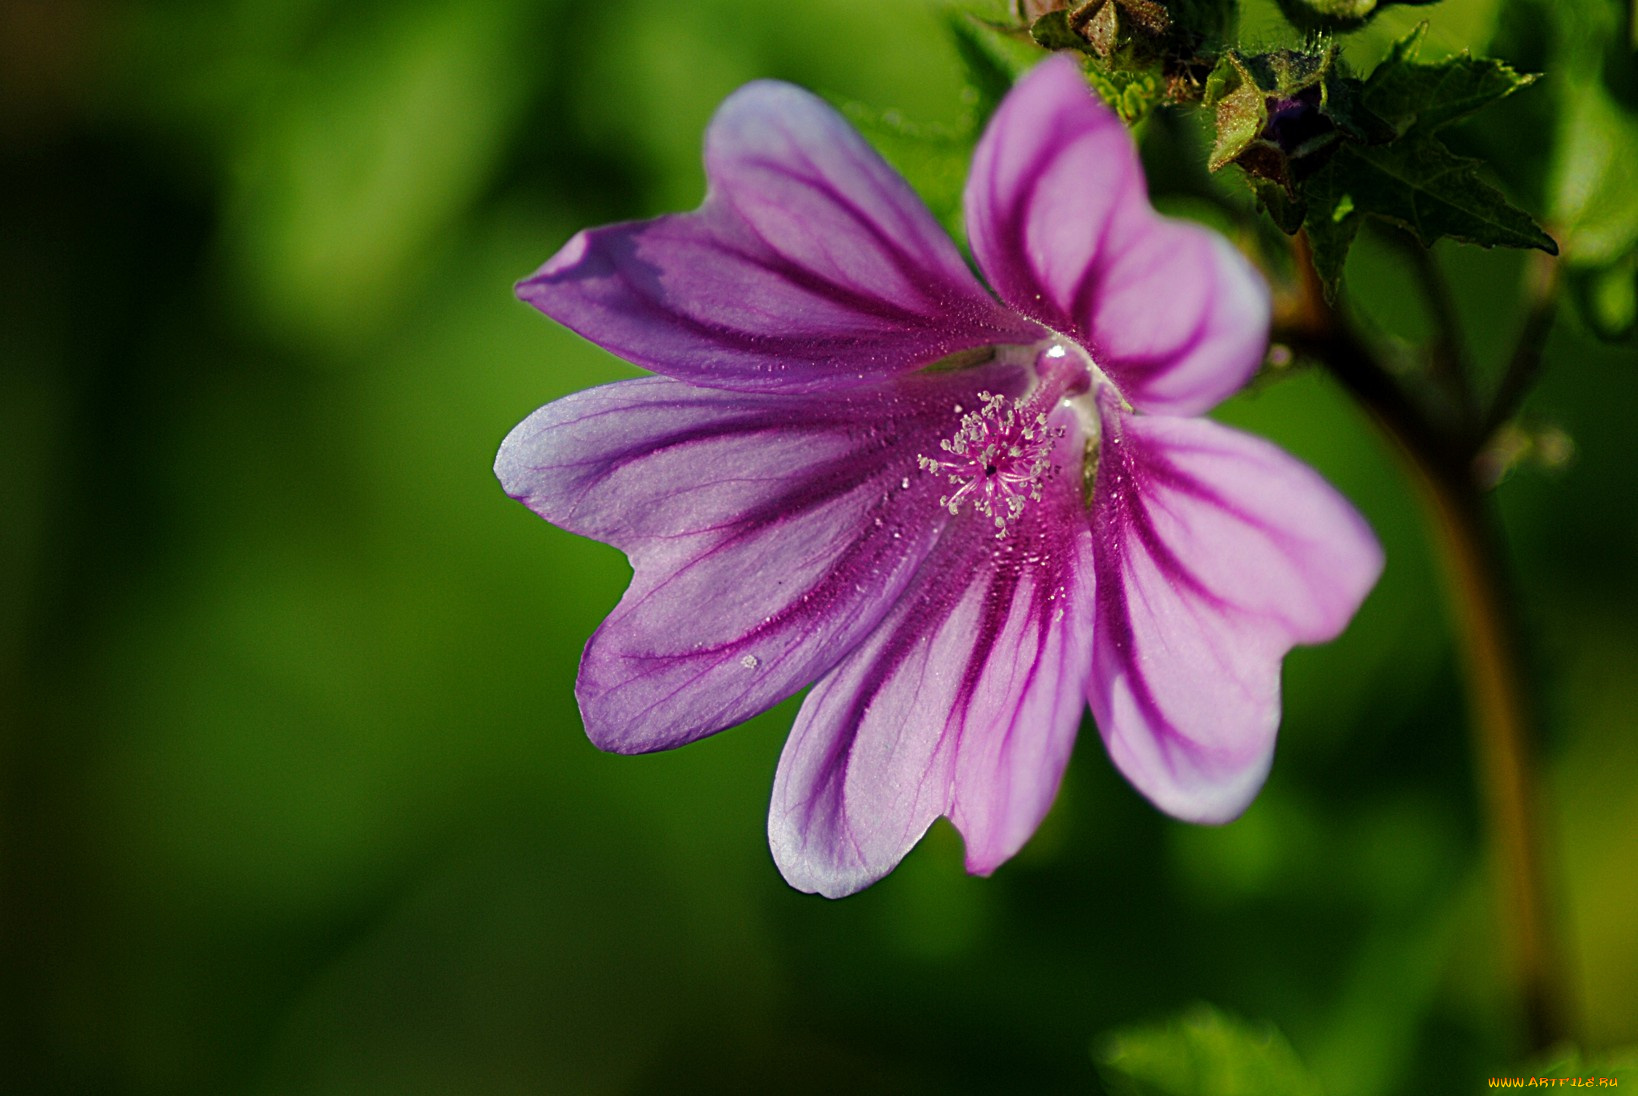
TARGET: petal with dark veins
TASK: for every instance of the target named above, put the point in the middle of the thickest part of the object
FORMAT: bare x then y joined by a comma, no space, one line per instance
963,702
810,266
767,534
1061,225
1216,553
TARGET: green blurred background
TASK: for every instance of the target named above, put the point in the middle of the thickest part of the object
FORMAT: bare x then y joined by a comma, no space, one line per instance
294,797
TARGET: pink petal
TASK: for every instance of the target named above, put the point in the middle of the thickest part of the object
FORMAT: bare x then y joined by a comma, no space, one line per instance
811,265
1216,552
1061,225
768,534
964,701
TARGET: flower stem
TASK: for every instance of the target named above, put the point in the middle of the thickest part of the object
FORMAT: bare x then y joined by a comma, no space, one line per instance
1488,633
1500,717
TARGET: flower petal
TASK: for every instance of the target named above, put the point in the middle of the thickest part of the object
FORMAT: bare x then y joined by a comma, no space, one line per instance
1216,552
965,702
1177,317
768,534
1061,225
811,265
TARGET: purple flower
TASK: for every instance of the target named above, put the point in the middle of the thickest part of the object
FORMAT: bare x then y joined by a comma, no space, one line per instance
962,519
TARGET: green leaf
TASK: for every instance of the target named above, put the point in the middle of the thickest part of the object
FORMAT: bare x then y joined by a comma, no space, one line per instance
1396,168
1203,1053
1419,98
1332,221
1345,105
1419,184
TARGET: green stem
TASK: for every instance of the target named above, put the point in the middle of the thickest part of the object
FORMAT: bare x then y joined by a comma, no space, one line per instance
1446,359
1525,364
1483,610
1500,717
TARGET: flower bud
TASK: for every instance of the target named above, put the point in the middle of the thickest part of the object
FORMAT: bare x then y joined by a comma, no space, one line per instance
1272,114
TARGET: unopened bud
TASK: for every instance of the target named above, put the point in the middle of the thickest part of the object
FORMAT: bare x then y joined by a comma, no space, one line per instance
1272,116
1108,24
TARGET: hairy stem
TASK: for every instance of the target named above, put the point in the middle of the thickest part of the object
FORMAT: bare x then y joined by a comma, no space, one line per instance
1483,611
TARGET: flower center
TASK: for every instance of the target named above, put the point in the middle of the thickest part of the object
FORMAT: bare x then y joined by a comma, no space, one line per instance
1004,452
998,460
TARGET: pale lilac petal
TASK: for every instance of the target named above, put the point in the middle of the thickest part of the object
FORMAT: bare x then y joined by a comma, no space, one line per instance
1178,318
1055,182
1216,552
964,702
768,534
1016,733
811,265
1061,225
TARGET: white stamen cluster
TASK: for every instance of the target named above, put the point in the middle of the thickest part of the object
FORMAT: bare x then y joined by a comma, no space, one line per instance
999,459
